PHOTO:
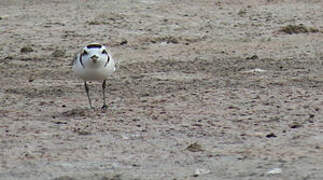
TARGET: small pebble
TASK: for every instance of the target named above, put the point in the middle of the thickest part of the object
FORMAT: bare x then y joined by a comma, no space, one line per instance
200,171
26,49
274,171
271,135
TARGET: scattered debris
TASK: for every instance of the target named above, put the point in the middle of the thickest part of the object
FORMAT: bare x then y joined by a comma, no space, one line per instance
94,22
252,57
295,125
200,171
274,171
58,53
254,70
8,58
26,49
82,132
195,147
295,29
124,137
59,122
166,39
271,135
75,112
28,155
163,43
311,116
242,12
233,107
124,42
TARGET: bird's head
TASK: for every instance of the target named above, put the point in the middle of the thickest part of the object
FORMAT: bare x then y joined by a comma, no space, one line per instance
95,55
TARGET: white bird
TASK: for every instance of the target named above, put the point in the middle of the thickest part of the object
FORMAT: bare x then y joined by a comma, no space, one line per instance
94,63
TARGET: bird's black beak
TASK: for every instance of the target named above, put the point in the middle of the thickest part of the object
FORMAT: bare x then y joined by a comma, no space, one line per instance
94,58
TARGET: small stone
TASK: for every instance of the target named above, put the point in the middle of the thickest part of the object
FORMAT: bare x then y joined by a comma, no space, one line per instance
252,57
254,70
163,43
274,171
200,171
271,135
58,53
195,147
84,133
59,122
124,42
295,125
125,137
26,49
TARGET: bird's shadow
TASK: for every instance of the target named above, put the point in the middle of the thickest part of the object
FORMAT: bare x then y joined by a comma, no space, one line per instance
83,112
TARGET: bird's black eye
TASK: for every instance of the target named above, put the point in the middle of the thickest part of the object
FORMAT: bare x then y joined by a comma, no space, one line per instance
104,51
85,53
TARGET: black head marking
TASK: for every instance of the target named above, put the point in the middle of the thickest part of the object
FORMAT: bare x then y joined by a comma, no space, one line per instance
81,61
108,60
90,46
84,53
104,51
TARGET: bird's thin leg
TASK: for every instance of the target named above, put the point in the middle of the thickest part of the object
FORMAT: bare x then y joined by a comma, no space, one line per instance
103,93
87,93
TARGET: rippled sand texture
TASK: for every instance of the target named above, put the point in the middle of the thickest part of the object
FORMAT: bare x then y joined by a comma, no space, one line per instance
204,90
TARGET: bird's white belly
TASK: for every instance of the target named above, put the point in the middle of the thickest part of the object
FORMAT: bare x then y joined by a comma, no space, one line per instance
93,74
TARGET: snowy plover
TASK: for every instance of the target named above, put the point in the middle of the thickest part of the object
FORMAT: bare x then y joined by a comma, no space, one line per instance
94,63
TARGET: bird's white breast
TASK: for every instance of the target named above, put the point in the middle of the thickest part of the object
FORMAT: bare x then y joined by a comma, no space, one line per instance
99,73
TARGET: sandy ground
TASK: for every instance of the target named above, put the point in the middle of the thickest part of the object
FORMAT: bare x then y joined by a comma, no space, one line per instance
205,90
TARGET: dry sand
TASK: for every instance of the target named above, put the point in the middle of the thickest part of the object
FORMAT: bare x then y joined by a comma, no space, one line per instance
205,90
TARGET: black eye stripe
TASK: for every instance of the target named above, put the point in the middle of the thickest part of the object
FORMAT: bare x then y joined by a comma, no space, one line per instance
84,52
81,61
104,51
108,60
